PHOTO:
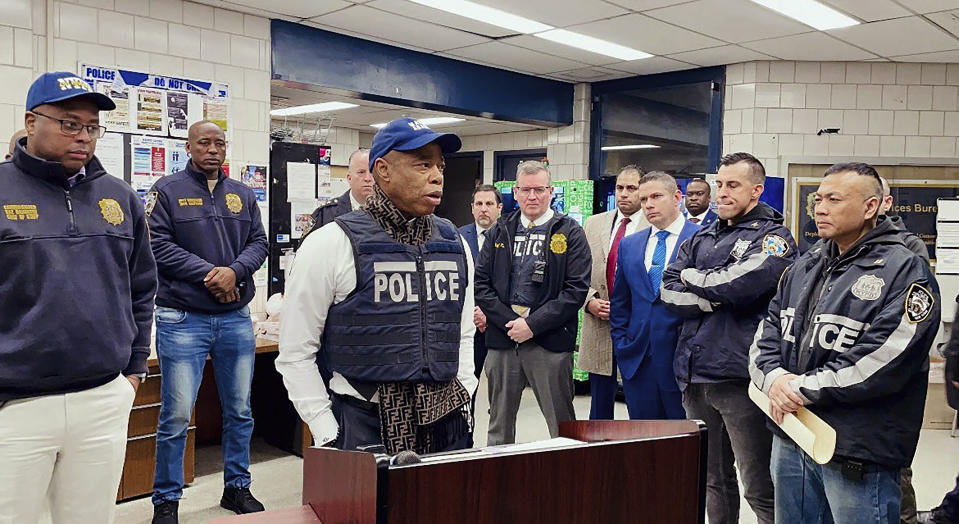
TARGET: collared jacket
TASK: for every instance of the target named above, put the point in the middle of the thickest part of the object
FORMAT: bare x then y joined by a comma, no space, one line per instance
78,279
856,329
193,230
553,318
326,213
722,281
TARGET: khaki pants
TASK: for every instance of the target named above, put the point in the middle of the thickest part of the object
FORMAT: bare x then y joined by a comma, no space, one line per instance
67,447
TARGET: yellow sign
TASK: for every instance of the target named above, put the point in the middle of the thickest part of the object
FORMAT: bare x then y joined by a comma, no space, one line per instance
21,211
233,203
190,201
111,211
557,243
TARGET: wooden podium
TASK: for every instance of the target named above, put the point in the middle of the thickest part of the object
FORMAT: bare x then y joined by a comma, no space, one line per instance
623,472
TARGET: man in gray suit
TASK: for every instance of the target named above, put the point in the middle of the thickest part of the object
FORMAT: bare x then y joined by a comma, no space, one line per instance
603,233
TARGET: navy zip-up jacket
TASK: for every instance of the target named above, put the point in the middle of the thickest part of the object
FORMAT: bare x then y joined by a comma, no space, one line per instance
193,230
78,279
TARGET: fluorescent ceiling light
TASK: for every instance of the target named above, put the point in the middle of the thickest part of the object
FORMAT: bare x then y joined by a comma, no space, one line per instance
435,121
486,14
594,45
312,108
810,12
634,146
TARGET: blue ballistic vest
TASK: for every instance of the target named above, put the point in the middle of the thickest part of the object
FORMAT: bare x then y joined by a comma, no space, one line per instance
402,321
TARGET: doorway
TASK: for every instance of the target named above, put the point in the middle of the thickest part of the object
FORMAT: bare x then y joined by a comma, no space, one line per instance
464,171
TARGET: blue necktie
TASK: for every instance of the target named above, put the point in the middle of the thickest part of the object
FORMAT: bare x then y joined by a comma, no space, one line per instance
659,262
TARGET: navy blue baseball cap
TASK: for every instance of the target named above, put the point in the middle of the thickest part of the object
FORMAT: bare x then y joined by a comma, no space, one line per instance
58,86
407,134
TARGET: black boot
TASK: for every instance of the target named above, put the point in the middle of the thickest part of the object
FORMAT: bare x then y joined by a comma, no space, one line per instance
239,500
166,512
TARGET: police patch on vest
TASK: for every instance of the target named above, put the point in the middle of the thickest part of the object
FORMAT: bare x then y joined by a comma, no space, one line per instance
150,202
233,203
111,211
919,302
868,287
775,246
740,247
557,243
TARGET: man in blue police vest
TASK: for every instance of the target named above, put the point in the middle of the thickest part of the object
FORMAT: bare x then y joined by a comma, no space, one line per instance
383,297
208,240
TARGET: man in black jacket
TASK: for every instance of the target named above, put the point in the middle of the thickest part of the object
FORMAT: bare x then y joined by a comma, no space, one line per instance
531,280
361,186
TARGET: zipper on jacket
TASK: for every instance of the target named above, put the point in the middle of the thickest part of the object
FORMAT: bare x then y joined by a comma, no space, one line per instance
73,220
421,272
221,234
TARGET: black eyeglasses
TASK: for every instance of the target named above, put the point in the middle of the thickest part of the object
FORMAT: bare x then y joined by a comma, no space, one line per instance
73,128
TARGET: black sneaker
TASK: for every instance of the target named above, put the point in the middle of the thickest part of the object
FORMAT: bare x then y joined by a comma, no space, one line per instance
166,512
936,516
240,501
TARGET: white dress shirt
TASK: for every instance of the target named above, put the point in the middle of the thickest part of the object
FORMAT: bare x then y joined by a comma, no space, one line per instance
354,203
631,227
674,230
544,218
480,238
323,274
699,218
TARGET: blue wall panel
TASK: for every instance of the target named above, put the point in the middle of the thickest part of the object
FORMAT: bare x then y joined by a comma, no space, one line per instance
400,76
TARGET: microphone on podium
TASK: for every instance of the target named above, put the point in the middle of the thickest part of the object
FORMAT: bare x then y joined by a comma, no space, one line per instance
405,458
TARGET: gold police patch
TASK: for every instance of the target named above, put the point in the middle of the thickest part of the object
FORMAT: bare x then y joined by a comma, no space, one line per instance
111,211
150,203
557,243
233,203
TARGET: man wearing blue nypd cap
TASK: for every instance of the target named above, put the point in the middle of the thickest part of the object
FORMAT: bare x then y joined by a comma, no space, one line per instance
76,308
383,297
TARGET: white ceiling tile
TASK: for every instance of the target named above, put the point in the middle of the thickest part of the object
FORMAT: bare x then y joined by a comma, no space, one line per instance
428,14
901,36
559,14
554,48
809,46
646,34
929,6
869,10
942,56
365,20
516,58
948,20
727,54
649,66
295,8
590,74
643,5
730,20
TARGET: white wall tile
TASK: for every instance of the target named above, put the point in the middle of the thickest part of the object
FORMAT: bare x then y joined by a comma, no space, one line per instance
931,123
16,13
892,146
858,73
746,125
807,72
919,97
767,95
245,114
832,72
869,96
234,76
734,73
200,70
228,21
893,97
132,59
95,54
134,7
77,22
244,51
102,4
215,46
6,46
951,124
257,85
64,55
782,71
943,146
814,145
728,97
743,96
944,98
166,65
855,122
818,96
908,73
792,95
740,143
866,146
830,118
198,15
168,10
256,26
841,145
116,29
16,83
184,41
779,120
23,47
759,120
881,122
151,35
844,96
762,71
933,74
805,121
8,123
906,123
883,73
765,145
952,74
790,145
733,121
917,146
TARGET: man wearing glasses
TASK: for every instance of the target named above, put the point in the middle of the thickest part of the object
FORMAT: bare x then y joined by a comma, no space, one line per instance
76,296
531,280
208,241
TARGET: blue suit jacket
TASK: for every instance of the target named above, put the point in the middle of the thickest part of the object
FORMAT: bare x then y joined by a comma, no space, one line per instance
710,217
643,330
469,233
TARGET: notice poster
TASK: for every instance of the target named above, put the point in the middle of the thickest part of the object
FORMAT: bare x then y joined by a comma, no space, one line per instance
119,119
178,113
216,110
253,176
301,219
149,115
110,154
300,181
149,161
177,157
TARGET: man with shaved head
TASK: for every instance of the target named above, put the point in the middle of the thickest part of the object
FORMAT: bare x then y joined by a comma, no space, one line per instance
208,241
13,142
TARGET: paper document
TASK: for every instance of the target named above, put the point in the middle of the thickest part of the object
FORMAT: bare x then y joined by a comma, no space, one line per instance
808,431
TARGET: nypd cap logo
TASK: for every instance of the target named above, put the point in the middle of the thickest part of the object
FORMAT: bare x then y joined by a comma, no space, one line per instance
919,303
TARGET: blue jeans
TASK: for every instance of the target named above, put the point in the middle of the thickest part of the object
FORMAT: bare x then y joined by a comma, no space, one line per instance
809,493
184,340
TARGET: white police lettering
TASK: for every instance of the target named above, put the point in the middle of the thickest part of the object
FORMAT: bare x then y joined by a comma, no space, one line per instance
417,126
528,245
397,281
836,332
786,318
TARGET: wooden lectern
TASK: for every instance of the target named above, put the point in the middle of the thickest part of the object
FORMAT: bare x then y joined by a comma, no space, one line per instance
623,472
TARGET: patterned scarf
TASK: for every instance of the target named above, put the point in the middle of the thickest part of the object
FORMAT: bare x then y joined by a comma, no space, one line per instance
424,417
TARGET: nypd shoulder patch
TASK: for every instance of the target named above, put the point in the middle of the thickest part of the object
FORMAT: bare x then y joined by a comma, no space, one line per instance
150,202
775,245
919,303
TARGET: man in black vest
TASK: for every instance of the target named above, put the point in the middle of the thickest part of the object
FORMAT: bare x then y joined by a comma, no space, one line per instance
383,297
361,186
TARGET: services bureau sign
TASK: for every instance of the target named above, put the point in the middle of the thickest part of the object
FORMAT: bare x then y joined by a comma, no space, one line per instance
913,200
